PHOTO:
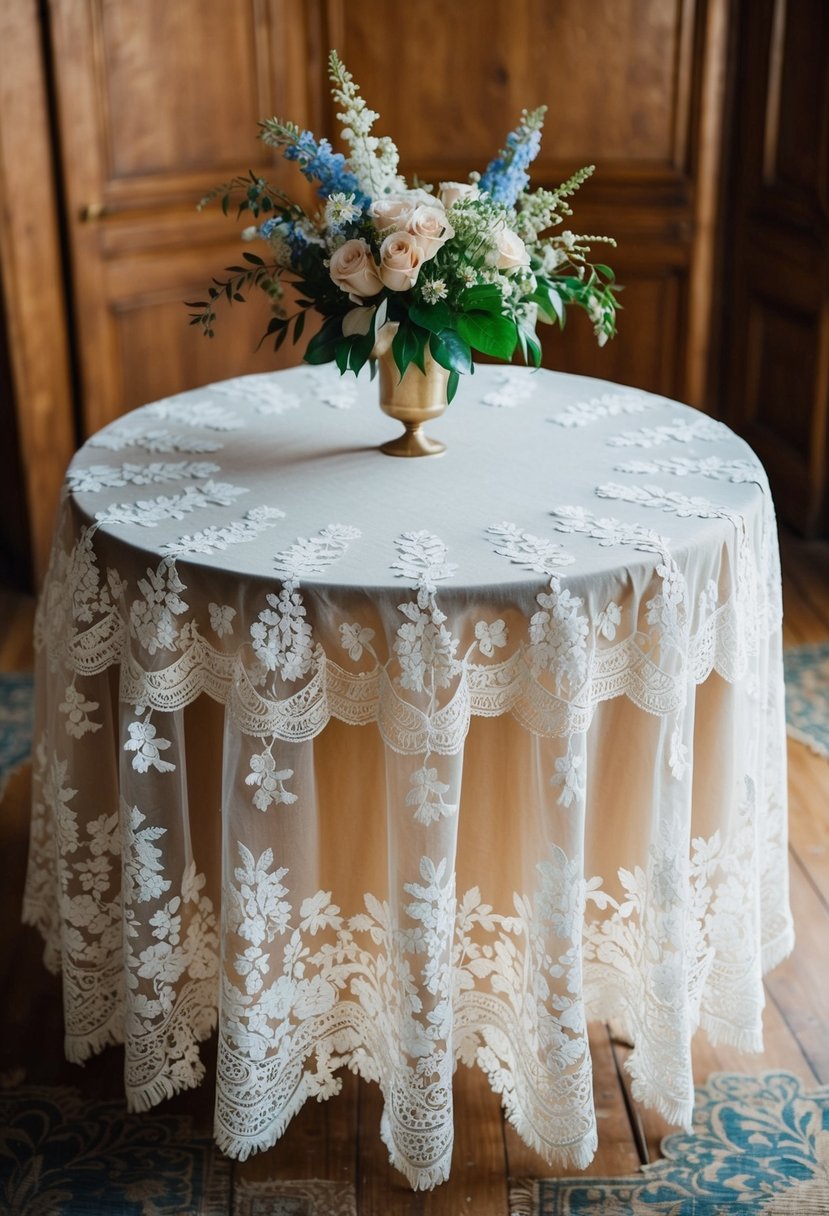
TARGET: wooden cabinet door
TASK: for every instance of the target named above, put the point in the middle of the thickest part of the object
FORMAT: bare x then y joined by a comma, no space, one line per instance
776,388
156,102
633,86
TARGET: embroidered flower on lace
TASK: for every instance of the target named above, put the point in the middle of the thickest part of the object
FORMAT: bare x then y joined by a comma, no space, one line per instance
77,710
609,531
150,512
212,539
336,392
180,966
281,636
654,497
713,467
423,560
609,621
354,639
96,477
708,599
558,636
147,747
313,555
426,795
532,552
491,636
118,437
143,868
704,429
678,756
425,648
194,413
151,619
608,405
221,619
269,782
262,390
57,795
570,776
513,386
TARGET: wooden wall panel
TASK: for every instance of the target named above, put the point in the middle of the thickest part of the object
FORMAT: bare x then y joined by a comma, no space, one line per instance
776,364
30,279
158,102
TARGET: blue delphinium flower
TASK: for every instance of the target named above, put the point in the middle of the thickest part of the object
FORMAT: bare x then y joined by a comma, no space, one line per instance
506,176
319,162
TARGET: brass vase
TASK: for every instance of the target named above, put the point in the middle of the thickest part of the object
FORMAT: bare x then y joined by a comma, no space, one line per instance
413,400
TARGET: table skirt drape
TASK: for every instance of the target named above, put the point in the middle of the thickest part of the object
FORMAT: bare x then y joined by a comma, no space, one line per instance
394,829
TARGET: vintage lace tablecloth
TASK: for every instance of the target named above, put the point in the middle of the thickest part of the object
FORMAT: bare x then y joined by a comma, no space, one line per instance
392,764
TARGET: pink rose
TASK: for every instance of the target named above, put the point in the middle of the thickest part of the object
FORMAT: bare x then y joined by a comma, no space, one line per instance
510,252
450,192
431,229
354,270
400,260
395,210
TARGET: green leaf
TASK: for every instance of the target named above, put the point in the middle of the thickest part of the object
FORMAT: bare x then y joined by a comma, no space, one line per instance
408,347
254,258
451,351
530,345
491,334
452,385
549,302
433,317
299,326
323,346
485,296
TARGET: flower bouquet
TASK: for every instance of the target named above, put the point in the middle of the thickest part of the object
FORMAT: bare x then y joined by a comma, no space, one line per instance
405,276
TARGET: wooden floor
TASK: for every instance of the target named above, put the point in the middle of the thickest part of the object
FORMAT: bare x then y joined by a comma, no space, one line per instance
339,1140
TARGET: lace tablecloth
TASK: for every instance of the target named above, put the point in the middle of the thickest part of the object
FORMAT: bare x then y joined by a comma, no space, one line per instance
388,764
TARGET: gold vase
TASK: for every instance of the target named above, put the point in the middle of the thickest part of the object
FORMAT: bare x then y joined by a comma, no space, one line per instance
414,400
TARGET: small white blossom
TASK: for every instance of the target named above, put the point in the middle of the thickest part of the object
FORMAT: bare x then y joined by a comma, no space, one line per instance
490,636
434,290
340,209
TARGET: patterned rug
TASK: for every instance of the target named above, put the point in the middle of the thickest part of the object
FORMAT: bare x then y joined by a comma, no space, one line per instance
63,1155
15,722
807,695
760,1146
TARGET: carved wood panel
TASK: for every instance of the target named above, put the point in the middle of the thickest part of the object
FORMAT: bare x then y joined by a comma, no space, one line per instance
156,103
776,369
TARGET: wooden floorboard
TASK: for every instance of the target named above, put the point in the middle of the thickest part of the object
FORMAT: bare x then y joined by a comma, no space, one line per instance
339,1141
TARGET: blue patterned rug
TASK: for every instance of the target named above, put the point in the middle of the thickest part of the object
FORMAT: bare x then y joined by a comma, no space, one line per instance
807,695
759,1145
15,722
64,1155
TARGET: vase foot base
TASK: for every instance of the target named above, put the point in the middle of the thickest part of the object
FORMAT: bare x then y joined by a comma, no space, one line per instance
413,443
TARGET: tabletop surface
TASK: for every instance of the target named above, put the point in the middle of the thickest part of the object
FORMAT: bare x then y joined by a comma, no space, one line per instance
231,476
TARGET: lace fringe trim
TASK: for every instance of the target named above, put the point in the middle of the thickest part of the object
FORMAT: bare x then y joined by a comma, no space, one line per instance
485,690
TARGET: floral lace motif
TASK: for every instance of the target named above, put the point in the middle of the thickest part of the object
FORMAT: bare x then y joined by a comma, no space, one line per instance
150,512
262,390
119,436
713,467
687,431
607,405
96,477
513,387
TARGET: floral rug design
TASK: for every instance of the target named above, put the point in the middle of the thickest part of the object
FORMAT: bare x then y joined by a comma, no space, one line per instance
16,711
807,695
759,1146
64,1155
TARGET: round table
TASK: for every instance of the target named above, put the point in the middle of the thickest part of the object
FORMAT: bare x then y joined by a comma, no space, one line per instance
388,764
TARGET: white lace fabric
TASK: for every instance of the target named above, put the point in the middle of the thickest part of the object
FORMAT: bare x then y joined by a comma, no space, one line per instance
565,801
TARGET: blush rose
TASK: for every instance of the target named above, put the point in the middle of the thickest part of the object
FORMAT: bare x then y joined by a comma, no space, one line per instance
353,269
